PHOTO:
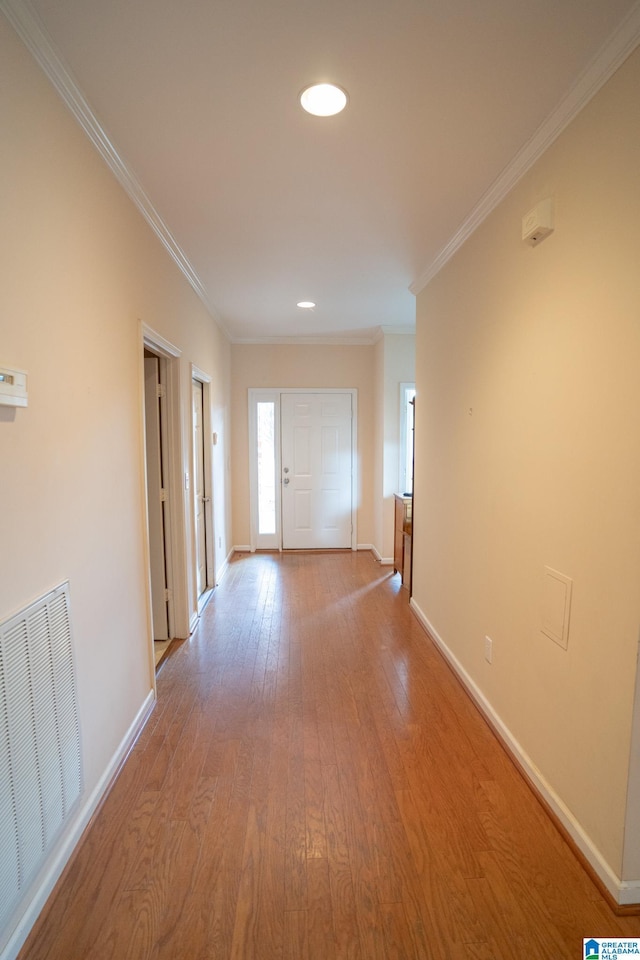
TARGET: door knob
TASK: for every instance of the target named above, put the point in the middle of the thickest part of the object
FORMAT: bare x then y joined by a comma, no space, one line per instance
286,480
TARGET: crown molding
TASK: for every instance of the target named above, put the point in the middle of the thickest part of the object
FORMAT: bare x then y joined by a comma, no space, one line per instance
27,25
400,331
368,339
609,58
306,341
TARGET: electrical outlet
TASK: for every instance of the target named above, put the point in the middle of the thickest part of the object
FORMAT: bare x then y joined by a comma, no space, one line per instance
488,649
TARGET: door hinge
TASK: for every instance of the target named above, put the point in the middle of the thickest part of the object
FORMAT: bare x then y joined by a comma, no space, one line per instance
163,495
168,595
160,391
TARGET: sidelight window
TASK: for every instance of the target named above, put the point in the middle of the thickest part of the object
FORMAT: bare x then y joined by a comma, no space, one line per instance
407,396
266,453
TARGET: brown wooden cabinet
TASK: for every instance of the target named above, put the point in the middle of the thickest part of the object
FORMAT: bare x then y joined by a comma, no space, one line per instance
402,538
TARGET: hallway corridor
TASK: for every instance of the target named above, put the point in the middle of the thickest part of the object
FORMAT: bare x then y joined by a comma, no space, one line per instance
314,784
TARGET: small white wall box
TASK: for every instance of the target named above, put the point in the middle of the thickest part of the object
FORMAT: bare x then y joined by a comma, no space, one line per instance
13,387
538,223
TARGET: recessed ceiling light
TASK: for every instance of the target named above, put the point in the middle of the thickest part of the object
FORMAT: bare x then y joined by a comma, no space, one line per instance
323,99
306,304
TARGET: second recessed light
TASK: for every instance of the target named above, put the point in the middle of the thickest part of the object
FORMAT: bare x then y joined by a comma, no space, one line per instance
323,99
306,304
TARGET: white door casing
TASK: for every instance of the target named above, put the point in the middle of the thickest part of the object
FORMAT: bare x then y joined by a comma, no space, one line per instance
200,500
316,470
155,498
175,472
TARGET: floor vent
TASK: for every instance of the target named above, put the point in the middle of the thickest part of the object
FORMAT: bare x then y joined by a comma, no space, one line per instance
40,762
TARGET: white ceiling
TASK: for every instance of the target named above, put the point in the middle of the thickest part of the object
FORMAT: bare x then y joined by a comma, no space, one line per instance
269,205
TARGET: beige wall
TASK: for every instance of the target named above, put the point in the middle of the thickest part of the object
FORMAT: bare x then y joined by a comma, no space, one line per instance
528,455
305,367
79,270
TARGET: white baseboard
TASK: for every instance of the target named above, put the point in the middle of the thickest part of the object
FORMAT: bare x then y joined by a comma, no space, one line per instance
36,896
224,567
383,561
204,598
623,892
239,548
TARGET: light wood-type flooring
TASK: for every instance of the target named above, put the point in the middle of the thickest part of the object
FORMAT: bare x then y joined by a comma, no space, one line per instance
315,784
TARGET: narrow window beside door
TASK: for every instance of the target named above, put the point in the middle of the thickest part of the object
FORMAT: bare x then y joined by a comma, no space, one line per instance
407,396
266,417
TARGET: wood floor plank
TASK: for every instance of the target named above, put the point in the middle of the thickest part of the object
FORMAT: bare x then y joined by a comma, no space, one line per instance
134,935
451,911
296,941
314,784
225,842
316,841
244,941
322,942
397,935
182,921
152,814
343,903
362,862
295,831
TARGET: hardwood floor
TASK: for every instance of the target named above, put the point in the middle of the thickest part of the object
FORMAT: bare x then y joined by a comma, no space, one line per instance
314,784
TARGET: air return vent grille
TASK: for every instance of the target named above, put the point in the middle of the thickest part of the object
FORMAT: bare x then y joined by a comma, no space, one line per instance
40,765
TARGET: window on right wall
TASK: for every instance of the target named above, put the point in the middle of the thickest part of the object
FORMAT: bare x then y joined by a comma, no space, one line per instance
407,396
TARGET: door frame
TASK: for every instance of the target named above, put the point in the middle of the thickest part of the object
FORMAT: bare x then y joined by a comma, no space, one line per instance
256,395
207,437
156,467
175,552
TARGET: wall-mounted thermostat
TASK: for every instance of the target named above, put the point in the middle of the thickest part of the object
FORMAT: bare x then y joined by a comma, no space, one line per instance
13,387
538,223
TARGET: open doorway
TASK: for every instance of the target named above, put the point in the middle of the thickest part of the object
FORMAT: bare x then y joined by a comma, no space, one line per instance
164,477
158,518
202,493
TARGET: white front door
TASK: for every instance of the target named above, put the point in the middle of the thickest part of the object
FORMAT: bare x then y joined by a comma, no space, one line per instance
200,499
317,467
